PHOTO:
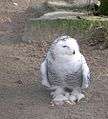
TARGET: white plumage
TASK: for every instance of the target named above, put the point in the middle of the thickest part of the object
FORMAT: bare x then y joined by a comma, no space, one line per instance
65,71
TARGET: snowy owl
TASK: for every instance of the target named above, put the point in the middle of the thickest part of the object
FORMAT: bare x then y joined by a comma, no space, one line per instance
65,71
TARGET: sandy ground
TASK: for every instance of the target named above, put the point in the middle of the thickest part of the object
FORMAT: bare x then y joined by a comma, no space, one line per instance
23,97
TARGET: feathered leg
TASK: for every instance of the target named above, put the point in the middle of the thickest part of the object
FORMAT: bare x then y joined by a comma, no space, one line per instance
59,96
76,95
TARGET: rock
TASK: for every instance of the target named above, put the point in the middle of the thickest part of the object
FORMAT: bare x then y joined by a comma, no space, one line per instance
62,15
40,9
71,4
59,4
16,14
83,2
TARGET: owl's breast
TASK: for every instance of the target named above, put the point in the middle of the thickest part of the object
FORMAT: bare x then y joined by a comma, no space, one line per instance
64,73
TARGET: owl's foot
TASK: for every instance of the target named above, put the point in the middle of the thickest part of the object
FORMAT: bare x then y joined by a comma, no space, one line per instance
70,103
59,91
62,101
76,96
80,96
72,99
59,100
61,97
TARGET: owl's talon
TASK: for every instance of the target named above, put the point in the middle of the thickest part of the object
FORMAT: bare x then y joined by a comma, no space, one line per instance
62,103
52,104
69,102
80,96
57,103
72,98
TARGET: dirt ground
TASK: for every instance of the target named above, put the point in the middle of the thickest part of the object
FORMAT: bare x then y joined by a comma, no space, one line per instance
23,97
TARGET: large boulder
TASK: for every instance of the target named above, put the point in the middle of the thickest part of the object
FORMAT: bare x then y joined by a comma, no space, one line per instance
61,15
15,14
71,3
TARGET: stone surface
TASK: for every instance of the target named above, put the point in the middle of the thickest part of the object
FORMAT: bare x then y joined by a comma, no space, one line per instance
71,3
62,15
15,14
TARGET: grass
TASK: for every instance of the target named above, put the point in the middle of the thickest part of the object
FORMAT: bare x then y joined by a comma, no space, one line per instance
65,24
76,24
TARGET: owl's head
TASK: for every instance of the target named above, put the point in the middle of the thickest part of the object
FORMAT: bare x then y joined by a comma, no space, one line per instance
65,45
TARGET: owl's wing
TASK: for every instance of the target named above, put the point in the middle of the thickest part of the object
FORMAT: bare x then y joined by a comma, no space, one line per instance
44,76
85,74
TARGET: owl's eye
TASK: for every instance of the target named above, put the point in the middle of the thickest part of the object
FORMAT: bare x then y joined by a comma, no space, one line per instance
74,52
65,46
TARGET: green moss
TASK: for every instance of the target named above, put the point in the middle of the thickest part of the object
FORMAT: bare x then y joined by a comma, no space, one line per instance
70,26
104,7
66,24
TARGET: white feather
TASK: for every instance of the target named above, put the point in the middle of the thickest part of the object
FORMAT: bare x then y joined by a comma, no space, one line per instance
44,74
86,73
64,61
